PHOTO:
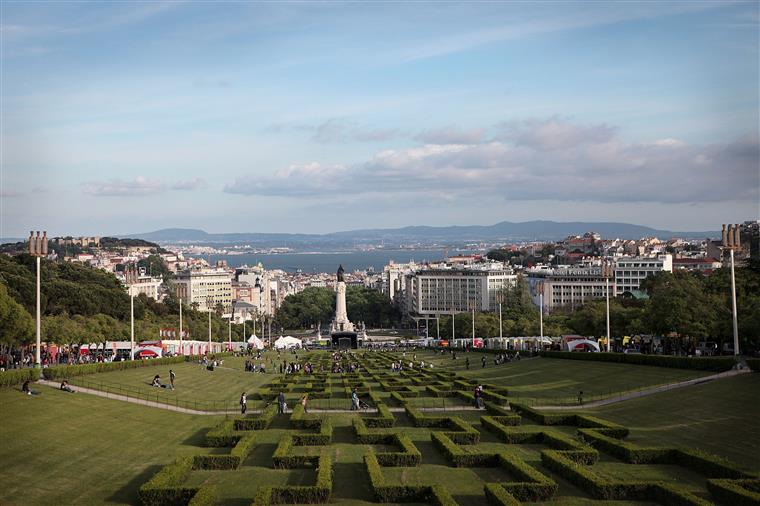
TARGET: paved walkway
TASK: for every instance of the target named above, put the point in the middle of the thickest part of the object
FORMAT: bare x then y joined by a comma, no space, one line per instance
648,391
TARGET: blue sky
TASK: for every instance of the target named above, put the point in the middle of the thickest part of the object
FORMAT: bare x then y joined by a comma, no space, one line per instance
315,117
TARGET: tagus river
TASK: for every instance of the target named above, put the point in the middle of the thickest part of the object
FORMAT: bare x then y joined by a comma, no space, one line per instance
328,262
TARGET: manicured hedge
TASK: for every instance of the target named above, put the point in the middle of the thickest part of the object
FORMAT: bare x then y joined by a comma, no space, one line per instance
257,422
409,456
717,364
301,420
395,492
457,456
543,418
735,492
222,435
321,438
13,377
384,417
498,496
310,494
754,364
165,488
533,485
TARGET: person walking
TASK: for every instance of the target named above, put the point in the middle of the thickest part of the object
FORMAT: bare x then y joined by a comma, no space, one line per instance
243,403
304,401
354,401
281,402
467,363
172,376
483,361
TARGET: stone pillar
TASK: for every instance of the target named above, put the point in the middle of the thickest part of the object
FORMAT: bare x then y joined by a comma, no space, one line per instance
341,315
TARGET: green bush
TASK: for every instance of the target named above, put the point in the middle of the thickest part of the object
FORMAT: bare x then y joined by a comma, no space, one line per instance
165,488
533,485
207,495
215,462
409,456
321,438
310,494
13,377
384,417
735,492
300,420
222,435
717,364
498,496
257,422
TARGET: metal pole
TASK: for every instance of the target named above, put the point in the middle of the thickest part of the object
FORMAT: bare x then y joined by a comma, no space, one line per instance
209,330
607,290
501,328
437,327
541,313
473,325
180,326
733,307
38,362
132,326
453,336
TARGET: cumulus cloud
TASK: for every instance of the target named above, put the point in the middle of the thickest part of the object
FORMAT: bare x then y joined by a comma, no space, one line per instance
140,186
552,159
451,135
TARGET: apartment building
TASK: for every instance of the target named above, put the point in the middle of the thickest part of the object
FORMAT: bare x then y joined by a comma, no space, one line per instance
204,288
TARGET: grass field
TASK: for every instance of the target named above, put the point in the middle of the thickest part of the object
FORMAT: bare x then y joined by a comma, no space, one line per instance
76,448
62,448
557,381
721,417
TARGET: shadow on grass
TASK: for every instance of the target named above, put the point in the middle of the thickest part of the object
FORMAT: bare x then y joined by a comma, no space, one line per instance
127,494
261,456
197,438
431,454
344,435
470,500
351,481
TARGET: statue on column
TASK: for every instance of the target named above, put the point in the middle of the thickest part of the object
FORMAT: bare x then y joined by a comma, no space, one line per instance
340,273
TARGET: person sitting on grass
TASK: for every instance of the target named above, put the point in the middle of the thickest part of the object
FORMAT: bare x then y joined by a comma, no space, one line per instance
27,390
156,381
65,387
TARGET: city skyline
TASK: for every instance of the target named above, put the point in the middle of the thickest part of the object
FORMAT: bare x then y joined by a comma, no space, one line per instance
133,117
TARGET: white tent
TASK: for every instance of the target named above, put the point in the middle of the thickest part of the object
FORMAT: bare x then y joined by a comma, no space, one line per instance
255,342
581,343
287,342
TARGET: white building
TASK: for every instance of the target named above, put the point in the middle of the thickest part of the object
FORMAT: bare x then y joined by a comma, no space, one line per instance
393,277
631,271
148,285
205,288
566,285
456,290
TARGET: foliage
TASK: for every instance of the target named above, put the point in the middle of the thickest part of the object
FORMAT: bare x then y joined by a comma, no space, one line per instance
16,324
69,371
13,377
316,304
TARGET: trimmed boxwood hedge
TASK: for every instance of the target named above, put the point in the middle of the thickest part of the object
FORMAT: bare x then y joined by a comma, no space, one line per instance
165,488
310,494
385,492
735,492
498,496
257,422
718,364
13,377
223,434
384,417
321,438
301,420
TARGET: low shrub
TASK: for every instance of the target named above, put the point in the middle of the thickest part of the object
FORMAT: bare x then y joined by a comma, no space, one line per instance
257,422
384,417
13,377
215,462
309,494
717,364
533,485
736,492
300,420
207,495
498,496
68,371
543,418
165,487
609,428
321,438
222,435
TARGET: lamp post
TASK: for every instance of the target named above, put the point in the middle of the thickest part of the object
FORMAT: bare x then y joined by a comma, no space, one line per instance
209,301
38,248
732,242
131,324
181,351
607,273
473,324
541,314
500,298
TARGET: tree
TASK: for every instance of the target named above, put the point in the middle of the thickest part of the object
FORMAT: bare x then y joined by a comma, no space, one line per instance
16,324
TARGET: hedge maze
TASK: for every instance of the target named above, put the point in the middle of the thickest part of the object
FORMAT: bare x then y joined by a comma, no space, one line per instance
396,452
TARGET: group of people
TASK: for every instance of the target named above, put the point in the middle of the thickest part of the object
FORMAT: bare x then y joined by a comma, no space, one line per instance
157,381
250,366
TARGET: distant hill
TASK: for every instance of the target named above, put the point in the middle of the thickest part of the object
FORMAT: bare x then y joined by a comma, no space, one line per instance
503,231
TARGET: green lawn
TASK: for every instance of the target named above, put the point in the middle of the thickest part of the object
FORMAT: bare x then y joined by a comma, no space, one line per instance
65,448
721,417
62,448
557,381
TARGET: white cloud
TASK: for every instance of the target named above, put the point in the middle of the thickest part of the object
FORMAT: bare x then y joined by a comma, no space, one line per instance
550,159
343,130
140,186
451,135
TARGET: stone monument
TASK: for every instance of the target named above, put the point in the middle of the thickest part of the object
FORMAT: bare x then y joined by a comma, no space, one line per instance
341,328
